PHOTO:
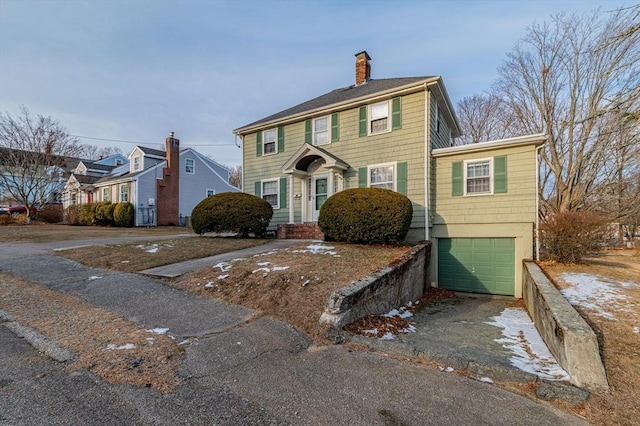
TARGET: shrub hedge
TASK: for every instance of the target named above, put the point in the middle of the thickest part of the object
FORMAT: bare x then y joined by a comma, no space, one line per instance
52,213
123,214
568,236
72,215
366,215
232,212
104,213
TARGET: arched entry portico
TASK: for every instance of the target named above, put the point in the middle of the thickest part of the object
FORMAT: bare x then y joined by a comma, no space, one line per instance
314,175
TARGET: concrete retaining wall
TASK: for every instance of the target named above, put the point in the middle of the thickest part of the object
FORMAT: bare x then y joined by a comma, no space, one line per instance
389,288
569,338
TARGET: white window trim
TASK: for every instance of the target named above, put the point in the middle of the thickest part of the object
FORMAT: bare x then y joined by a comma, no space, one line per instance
139,164
395,173
123,185
313,130
210,190
389,118
464,182
108,194
193,166
277,181
275,142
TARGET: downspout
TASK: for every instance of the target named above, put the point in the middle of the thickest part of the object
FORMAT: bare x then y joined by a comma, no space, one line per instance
538,201
291,217
427,159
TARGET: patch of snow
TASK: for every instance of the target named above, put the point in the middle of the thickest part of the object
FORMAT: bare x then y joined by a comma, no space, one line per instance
266,270
125,261
150,340
448,369
158,330
222,277
372,331
113,347
94,277
209,284
184,342
237,259
595,293
319,249
388,336
304,284
636,330
485,379
264,263
402,312
279,268
410,329
530,353
224,266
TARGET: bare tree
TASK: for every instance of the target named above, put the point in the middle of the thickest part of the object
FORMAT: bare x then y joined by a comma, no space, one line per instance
235,176
93,152
568,78
35,152
482,118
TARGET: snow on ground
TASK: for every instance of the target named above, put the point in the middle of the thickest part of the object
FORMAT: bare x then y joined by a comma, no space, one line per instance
158,330
153,248
94,277
636,330
224,266
112,347
596,293
530,353
317,247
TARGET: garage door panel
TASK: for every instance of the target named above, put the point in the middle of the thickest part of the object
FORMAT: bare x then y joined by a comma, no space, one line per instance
482,265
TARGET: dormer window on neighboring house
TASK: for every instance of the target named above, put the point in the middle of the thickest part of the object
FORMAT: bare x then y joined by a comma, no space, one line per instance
136,164
119,162
189,166
269,142
321,130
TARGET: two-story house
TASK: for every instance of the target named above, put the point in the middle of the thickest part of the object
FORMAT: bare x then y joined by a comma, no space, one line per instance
163,186
397,133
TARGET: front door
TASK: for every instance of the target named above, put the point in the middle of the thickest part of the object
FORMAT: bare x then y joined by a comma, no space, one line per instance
319,194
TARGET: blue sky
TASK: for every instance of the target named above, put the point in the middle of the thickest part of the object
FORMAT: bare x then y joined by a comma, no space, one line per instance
136,70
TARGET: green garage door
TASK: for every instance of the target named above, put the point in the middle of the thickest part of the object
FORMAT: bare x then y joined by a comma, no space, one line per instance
477,265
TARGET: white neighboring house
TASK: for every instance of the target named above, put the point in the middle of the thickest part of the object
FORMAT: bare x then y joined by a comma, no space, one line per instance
163,186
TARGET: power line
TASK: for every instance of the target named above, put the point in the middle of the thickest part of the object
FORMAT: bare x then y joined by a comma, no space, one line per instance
143,143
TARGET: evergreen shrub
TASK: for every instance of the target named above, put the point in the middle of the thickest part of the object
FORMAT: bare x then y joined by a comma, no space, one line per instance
123,214
366,215
232,212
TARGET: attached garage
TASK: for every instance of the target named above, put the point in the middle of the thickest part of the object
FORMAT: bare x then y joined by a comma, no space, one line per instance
477,265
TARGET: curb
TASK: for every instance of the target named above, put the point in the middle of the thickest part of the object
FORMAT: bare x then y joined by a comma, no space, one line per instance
39,342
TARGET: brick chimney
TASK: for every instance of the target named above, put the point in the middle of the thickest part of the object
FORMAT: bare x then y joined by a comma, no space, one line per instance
363,68
168,187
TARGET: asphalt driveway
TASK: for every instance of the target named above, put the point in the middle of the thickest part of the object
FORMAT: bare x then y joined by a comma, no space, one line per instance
235,370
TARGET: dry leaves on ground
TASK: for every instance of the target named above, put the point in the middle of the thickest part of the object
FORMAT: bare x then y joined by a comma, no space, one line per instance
291,284
97,337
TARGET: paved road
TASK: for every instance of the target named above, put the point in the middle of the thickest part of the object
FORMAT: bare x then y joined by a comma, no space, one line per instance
235,371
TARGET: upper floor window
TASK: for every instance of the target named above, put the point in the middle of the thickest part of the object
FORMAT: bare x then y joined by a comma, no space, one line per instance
321,127
124,192
269,142
136,163
382,176
379,118
478,177
189,166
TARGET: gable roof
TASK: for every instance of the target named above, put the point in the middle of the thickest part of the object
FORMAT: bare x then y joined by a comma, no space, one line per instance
151,151
350,94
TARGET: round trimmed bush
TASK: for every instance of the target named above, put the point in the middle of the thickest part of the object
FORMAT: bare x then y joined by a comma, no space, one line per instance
123,214
366,215
52,213
232,212
104,213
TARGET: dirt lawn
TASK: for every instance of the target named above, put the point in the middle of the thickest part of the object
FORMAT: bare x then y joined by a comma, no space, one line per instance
607,289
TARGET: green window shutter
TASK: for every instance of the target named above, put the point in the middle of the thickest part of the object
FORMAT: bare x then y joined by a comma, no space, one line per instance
401,174
258,190
307,131
457,179
396,113
283,192
280,138
362,177
500,174
335,127
362,121
259,144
